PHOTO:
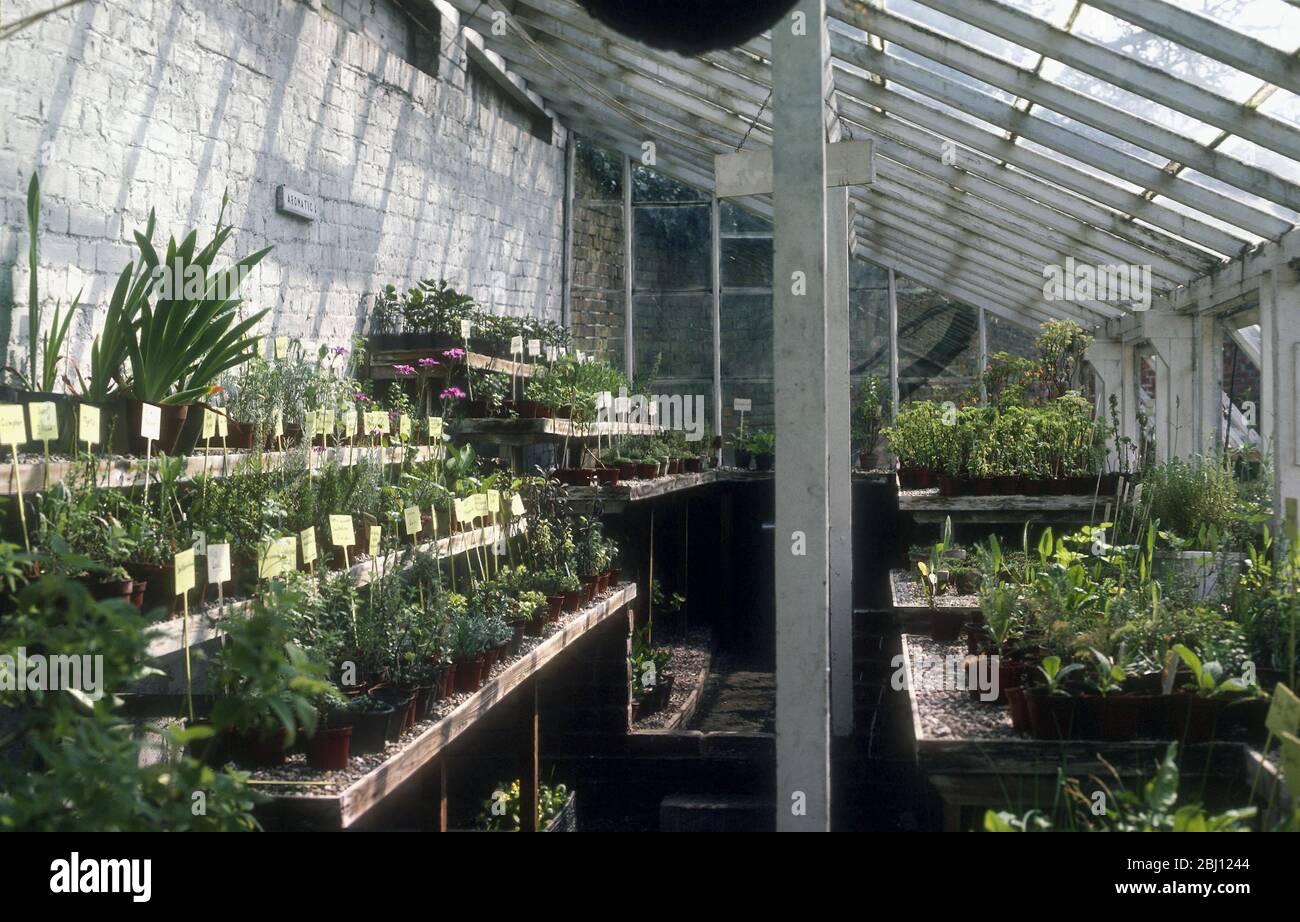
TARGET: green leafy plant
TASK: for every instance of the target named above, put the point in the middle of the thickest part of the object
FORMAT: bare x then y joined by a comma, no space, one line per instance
182,344
1054,674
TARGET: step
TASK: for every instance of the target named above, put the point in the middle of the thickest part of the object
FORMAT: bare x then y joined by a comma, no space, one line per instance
713,813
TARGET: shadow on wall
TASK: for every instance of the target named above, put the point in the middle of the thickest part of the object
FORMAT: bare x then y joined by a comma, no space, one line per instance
415,175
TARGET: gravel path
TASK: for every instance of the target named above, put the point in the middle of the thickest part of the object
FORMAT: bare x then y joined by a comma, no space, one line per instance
689,656
948,713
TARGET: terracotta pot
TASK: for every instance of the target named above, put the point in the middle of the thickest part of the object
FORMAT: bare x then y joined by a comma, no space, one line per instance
947,486
469,675
106,590
588,589
554,607
615,576
543,411
573,600
574,476
602,583
169,429
1019,707
490,657
607,476
239,436
1005,485
1051,717
448,680
263,751
328,749
693,465
647,471
1031,486
626,471
675,466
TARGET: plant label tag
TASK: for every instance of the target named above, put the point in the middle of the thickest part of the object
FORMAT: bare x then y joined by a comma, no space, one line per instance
341,531
307,538
493,501
603,400
223,425
404,426
433,521
284,554
150,422
742,405
309,423
279,426
382,422
88,423
550,353
534,348
516,345
209,424
200,544
1283,712
350,423
411,515
183,568
13,425
44,421
1290,758
465,329
218,563
435,427
281,347
375,532
578,353
517,505
465,510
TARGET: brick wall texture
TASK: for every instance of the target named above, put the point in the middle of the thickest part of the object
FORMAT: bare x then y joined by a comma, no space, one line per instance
128,105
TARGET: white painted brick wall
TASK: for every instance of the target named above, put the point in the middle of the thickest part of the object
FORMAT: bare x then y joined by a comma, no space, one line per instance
127,105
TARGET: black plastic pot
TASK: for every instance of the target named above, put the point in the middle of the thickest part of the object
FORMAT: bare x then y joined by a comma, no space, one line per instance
370,731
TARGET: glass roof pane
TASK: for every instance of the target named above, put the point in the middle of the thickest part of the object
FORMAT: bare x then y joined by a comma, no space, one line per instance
1273,22
1209,182
1209,220
1130,102
1170,57
962,32
1078,165
944,70
1054,11
1087,131
1283,105
947,109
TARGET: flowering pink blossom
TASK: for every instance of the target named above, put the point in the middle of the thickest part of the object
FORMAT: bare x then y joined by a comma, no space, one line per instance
454,353
428,362
340,350
452,393
404,369
361,395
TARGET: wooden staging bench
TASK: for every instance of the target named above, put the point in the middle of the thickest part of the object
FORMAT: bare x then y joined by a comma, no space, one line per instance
343,810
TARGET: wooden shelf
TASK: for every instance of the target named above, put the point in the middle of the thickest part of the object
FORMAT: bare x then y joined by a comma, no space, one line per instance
530,431
344,809
382,362
121,472
929,506
170,634
617,497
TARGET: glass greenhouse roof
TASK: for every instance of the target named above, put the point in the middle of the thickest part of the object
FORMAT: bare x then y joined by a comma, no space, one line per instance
1162,133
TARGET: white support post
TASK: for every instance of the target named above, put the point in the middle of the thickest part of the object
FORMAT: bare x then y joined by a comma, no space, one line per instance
1107,358
1172,337
893,346
1207,345
629,273
1279,317
715,214
802,448
840,504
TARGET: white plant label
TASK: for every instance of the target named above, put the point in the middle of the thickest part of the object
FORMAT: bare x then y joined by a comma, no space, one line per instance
150,422
218,563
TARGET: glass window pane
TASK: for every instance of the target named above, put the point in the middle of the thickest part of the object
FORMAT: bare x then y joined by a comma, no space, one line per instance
736,220
746,321
672,248
649,186
938,348
597,173
746,262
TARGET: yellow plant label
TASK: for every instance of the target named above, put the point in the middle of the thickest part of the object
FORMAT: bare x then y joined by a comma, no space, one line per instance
375,532
209,424
183,566
1290,758
435,427
1283,712
88,422
404,426
13,425
281,347
150,422
350,423
382,422
309,423
493,502
465,510
218,563
44,421
223,425
279,426
327,426
412,517
307,538
517,505
341,534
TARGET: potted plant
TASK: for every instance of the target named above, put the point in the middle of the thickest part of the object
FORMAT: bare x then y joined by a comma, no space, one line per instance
1051,707
177,348
369,718
1109,714
468,641
1193,714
